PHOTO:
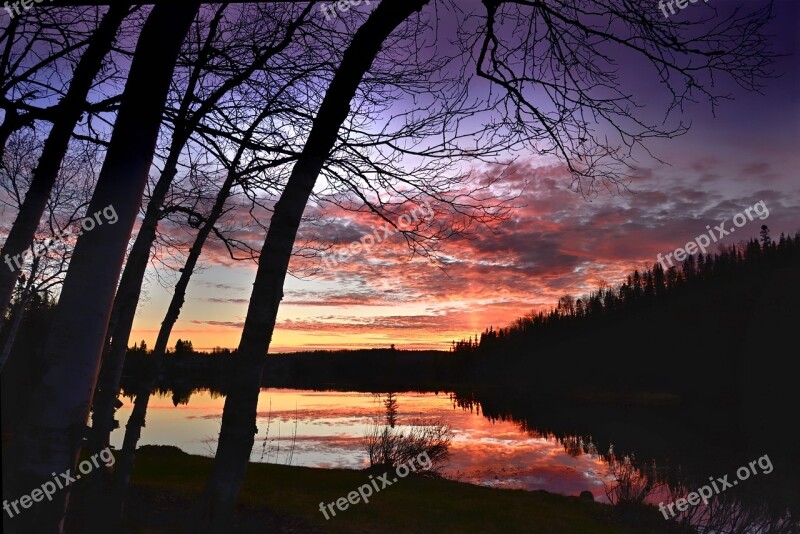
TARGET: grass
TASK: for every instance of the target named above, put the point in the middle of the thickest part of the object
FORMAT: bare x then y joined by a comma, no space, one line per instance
278,498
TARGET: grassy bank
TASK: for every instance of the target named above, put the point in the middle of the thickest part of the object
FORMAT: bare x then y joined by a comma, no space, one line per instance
277,498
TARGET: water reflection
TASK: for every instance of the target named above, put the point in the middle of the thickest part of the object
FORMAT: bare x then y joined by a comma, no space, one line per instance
660,451
325,429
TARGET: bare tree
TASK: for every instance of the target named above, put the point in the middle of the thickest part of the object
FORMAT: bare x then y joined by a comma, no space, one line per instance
236,175
65,116
193,114
52,437
38,47
568,54
237,433
42,271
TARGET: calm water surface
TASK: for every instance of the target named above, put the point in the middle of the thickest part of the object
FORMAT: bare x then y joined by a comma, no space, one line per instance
325,429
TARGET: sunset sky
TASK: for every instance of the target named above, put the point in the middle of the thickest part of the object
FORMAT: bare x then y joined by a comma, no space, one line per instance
555,242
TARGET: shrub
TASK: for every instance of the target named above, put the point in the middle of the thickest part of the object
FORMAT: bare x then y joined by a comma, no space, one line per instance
389,447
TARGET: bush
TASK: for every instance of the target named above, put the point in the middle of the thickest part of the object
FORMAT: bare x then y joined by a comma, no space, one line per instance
389,447
632,485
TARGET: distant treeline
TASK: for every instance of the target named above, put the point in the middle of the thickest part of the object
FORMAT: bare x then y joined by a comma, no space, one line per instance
716,324
368,369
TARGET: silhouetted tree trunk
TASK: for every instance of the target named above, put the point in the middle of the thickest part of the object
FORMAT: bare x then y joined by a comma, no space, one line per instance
11,123
136,421
14,324
66,117
11,120
124,309
104,400
239,415
133,430
53,434
129,290
130,286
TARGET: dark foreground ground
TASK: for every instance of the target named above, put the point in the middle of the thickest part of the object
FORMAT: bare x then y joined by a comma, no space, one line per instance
278,498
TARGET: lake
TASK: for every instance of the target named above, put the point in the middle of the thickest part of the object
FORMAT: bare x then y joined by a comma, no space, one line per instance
326,428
